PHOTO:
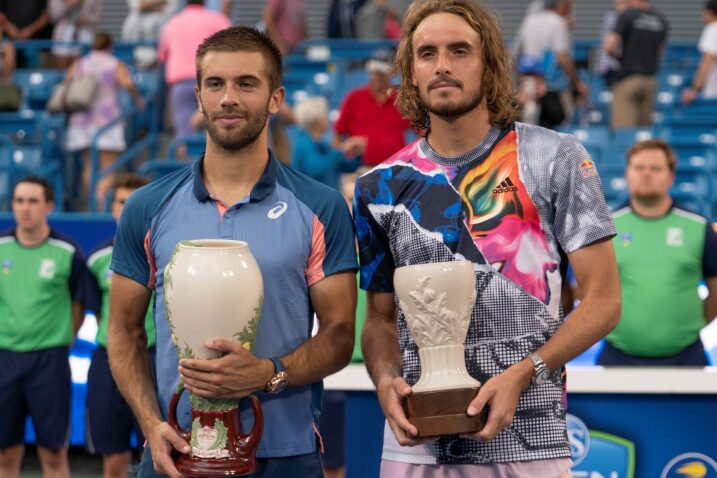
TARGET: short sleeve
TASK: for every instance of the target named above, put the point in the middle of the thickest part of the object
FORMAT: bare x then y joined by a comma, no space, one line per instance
343,124
708,40
129,257
622,24
333,248
93,296
80,276
581,214
375,258
709,256
561,40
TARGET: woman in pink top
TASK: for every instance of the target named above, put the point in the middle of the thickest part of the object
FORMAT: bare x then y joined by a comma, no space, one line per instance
111,75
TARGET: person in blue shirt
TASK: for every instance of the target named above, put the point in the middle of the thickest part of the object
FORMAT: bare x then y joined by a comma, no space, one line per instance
312,152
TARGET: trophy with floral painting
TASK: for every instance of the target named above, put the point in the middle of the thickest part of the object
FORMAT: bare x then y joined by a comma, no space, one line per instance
213,289
437,301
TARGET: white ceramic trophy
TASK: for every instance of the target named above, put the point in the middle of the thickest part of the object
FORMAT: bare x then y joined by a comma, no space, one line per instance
214,289
437,300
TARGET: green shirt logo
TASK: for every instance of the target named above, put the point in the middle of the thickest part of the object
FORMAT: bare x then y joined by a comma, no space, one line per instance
47,269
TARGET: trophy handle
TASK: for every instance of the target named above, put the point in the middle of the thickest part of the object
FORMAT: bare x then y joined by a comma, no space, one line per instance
172,413
252,439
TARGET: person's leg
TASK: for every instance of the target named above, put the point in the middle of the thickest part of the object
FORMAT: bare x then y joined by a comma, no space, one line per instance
623,113
648,87
305,466
116,465
51,378
331,426
54,462
109,418
13,366
107,159
10,461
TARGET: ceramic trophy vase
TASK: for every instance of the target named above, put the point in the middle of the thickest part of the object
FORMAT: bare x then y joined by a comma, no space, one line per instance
213,289
437,300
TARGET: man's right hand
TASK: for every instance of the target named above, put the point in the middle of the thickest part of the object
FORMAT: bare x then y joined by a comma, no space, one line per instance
162,439
391,395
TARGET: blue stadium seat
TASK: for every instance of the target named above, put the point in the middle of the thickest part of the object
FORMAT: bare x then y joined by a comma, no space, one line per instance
157,169
195,146
37,86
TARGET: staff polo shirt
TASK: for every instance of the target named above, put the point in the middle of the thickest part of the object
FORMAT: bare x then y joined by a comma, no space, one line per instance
661,262
299,231
37,287
98,296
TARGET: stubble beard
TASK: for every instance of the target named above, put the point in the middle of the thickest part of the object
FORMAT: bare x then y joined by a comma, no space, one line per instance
235,141
453,110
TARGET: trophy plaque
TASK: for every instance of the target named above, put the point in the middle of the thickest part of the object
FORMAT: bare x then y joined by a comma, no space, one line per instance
213,289
437,300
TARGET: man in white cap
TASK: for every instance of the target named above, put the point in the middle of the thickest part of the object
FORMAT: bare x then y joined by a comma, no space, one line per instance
370,111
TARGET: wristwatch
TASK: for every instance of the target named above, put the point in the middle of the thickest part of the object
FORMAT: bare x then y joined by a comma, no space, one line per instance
541,371
278,381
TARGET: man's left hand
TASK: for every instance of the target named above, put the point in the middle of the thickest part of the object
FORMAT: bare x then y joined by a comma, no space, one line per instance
501,393
236,374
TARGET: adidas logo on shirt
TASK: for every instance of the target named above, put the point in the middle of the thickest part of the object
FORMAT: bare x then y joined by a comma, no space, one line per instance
506,186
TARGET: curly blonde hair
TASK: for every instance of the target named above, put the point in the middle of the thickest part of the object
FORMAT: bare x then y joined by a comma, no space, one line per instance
497,82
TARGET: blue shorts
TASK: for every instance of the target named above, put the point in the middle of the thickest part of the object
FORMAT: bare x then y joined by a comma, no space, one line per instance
37,383
304,466
110,421
184,105
692,355
332,425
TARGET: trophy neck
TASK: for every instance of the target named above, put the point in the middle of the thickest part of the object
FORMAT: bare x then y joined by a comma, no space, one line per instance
443,368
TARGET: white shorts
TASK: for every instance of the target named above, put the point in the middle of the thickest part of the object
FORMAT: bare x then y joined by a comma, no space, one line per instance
80,137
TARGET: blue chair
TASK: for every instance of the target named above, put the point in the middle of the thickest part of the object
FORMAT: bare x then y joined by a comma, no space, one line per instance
195,146
157,169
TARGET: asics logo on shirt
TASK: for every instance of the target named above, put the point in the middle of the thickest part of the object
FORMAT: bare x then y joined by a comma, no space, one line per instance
506,186
277,211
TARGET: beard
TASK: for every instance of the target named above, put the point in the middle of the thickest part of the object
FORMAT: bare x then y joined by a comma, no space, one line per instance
236,139
452,109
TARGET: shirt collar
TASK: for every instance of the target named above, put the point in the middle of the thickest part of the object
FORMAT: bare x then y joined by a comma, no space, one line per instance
263,187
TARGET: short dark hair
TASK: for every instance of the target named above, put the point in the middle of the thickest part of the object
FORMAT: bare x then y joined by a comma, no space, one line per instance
235,39
42,182
654,143
128,181
103,41
711,5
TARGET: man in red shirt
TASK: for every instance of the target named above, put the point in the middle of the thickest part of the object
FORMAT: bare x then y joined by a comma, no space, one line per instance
371,112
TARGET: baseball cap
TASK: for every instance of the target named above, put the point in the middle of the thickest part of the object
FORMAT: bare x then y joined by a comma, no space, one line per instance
381,61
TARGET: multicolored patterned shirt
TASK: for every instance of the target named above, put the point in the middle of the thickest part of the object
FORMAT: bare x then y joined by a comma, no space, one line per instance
514,206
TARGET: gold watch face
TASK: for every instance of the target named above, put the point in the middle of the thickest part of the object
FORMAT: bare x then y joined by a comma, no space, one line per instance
277,383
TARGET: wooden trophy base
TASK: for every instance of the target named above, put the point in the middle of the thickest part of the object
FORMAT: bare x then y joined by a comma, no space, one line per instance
444,412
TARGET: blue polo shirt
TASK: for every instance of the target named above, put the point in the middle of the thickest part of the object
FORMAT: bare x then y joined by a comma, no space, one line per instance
299,231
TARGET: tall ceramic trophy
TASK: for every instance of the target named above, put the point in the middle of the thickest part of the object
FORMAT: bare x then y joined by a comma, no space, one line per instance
213,289
437,300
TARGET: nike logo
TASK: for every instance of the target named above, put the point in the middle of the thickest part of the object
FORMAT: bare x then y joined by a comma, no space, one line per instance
277,211
506,186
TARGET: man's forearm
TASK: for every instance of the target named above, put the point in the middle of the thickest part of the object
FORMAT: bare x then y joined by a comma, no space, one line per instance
129,361
327,352
381,354
588,323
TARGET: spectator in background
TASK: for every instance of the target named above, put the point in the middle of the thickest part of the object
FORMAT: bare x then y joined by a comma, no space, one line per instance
285,23
7,54
531,91
25,19
705,80
663,252
110,421
75,21
545,34
144,22
608,65
111,75
177,48
379,19
341,20
42,290
638,41
312,153
371,112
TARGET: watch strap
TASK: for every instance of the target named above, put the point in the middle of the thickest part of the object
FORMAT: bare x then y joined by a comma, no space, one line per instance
278,366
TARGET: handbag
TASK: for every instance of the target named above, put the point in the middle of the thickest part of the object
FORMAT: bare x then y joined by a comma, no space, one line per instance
76,94
10,97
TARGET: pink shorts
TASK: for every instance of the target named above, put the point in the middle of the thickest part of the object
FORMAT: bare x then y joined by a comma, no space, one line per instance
556,468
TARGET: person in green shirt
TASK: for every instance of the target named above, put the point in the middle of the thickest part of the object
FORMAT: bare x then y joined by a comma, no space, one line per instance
109,417
663,253
42,294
